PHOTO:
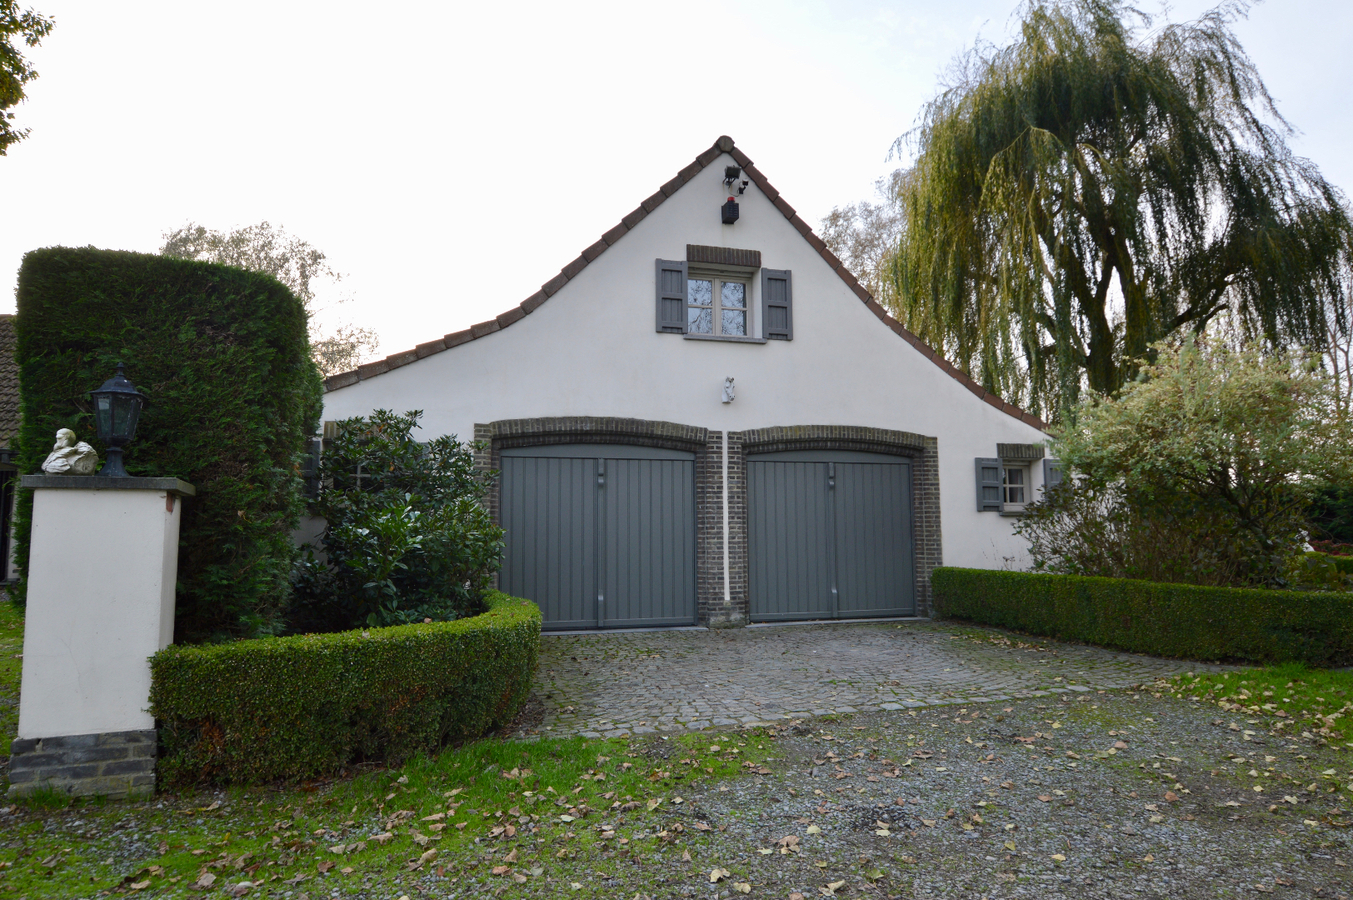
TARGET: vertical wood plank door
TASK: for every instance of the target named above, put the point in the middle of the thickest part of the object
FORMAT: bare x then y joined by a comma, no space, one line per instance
829,536
600,535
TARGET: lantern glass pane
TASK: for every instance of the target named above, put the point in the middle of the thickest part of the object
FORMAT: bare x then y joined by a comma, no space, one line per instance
103,417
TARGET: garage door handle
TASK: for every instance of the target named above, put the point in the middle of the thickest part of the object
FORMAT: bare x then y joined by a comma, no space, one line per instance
831,476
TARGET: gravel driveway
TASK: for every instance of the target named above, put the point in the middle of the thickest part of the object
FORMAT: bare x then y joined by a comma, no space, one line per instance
638,682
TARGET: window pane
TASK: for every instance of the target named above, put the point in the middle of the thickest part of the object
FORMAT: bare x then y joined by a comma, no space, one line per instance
734,295
701,321
735,322
1014,485
700,292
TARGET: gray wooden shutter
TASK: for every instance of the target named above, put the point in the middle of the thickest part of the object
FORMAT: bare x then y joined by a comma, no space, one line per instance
777,305
1052,473
989,483
672,296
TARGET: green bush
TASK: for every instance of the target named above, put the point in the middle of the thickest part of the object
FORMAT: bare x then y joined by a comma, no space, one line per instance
224,357
406,535
299,707
1180,620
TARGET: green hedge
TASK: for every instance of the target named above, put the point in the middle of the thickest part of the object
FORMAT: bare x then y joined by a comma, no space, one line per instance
298,707
1178,620
224,356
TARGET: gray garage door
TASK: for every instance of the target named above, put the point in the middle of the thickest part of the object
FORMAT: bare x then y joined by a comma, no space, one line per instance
599,535
829,535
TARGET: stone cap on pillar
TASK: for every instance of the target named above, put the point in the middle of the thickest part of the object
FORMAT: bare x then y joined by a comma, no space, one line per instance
98,483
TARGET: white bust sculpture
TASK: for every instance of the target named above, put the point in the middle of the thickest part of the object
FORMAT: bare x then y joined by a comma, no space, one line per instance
69,457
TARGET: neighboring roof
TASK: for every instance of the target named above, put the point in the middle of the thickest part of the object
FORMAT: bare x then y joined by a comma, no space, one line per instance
9,383
723,145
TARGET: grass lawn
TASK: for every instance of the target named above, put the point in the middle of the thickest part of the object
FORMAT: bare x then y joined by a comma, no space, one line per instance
11,661
1302,699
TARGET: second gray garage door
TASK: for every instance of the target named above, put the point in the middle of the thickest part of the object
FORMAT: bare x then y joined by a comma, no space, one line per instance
829,535
600,535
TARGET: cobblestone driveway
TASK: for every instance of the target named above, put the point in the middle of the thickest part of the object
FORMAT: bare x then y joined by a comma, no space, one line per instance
614,684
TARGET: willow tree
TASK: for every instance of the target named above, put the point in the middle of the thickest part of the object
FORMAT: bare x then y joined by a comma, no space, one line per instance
1098,185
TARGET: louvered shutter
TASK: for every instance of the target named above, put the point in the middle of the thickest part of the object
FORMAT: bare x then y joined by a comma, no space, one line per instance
777,305
1052,473
672,296
989,485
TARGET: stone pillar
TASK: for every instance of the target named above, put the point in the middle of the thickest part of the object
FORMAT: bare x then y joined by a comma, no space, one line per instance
102,565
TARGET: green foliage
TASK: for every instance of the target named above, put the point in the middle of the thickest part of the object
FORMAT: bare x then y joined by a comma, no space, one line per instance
299,707
222,354
1089,527
15,71
292,261
1313,571
407,536
1225,447
1179,620
1100,184
1331,514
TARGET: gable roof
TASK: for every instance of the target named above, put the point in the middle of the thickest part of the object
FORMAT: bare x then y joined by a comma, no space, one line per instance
723,145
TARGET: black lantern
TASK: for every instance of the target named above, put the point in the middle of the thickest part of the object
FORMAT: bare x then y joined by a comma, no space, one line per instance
117,407
729,211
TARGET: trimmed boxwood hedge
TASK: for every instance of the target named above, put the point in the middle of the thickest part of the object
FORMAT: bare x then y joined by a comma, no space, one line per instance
1179,620
298,707
224,356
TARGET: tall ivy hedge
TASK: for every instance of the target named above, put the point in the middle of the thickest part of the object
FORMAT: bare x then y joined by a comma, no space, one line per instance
224,357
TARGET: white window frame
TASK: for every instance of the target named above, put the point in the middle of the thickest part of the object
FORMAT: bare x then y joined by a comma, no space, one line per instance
1024,487
718,280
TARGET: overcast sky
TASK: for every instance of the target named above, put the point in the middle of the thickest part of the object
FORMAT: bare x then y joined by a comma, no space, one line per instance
451,157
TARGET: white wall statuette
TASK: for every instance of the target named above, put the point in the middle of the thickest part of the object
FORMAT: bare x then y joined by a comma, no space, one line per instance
69,457
728,390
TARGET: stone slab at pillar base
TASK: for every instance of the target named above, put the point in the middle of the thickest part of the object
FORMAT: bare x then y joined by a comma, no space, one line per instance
103,561
116,765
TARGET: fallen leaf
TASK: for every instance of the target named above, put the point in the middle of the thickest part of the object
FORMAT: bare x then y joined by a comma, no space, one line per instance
1044,798
1148,858
326,865
501,870
717,875
830,889
139,885
813,829
1171,796
1059,857
511,857
742,887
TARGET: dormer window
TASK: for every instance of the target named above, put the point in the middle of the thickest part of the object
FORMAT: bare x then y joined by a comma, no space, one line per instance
716,305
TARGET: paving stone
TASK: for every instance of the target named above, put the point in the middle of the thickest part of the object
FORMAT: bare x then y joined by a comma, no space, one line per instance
595,684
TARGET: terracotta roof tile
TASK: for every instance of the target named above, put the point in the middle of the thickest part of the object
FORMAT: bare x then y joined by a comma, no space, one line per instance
723,145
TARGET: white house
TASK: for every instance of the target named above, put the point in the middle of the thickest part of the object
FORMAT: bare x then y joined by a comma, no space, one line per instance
705,418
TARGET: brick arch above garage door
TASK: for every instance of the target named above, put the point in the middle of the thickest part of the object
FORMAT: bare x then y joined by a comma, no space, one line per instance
925,493
712,605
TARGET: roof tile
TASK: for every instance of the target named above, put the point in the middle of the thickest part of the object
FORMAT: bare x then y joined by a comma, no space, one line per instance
532,303
615,234
512,315
552,286
430,348
483,328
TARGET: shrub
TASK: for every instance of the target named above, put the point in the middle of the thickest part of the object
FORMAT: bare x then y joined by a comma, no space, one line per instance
407,537
1243,438
223,355
1087,527
1180,620
299,707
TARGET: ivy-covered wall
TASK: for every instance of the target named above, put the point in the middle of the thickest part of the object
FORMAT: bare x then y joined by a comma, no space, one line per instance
223,355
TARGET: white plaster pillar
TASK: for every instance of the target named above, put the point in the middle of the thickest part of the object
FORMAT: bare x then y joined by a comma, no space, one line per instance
102,566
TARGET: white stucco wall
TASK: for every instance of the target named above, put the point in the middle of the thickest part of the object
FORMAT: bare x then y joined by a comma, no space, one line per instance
592,350
100,603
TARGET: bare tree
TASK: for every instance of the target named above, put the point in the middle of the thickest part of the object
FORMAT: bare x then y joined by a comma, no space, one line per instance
864,235
292,261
